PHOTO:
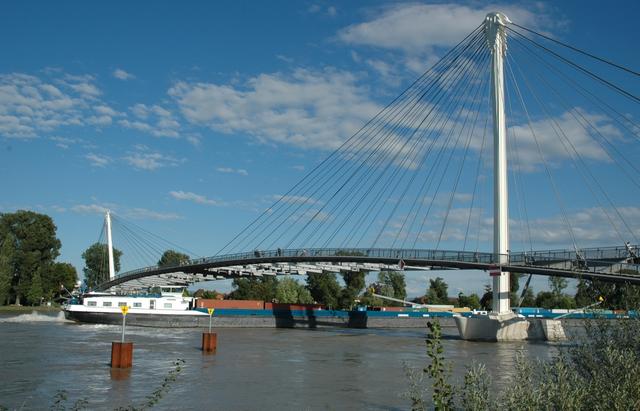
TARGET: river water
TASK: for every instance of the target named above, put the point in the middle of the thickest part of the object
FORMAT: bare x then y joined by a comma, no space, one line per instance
274,369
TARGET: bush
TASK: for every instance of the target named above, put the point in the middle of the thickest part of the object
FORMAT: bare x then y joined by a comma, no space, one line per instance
598,371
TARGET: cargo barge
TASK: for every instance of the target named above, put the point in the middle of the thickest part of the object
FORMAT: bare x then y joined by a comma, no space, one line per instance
170,309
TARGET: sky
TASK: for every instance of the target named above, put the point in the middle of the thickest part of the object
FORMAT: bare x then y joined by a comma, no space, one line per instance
189,118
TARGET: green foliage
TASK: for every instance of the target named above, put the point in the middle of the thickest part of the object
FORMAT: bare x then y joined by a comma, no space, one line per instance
35,293
394,285
255,288
616,295
324,288
171,258
7,270
96,261
549,300
35,247
472,301
597,371
487,298
557,285
292,292
60,274
529,299
437,291
475,395
208,294
438,370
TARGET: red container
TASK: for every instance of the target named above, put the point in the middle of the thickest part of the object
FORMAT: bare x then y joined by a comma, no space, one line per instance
238,304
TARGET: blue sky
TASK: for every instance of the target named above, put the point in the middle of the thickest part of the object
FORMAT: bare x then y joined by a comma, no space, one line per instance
189,118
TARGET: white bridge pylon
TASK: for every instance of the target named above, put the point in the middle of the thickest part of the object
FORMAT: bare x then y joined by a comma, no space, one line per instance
497,42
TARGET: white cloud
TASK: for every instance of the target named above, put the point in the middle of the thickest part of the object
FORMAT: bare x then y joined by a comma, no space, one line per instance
419,32
306,109
88,209
554,145
151,161
229,170
415,28
120,74
98,160
155,120
30,105
195,198
144,214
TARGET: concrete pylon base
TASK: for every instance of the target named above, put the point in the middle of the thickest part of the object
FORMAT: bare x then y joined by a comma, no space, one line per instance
493,327
553,330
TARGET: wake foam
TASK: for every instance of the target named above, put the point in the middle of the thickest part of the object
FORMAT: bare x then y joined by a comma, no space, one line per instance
35,317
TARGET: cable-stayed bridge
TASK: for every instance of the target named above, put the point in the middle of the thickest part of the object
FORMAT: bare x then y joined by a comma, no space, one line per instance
541,125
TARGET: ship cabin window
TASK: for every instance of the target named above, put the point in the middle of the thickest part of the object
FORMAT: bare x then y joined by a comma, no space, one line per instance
106,304
167,305
92,303
122,304
137,305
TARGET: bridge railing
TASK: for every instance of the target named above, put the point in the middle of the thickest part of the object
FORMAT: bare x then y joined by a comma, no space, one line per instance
588,255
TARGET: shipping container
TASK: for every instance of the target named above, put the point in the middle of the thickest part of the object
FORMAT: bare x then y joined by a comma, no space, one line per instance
241,304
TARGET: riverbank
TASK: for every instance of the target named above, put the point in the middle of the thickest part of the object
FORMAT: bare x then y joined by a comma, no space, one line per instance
7,309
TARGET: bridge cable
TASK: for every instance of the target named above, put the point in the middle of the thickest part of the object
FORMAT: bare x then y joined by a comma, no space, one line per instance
596,130
405,164
546,166
408,159
575,156
441,125
440,181
336,154
611,85
350,177
475,183
394,112
609,62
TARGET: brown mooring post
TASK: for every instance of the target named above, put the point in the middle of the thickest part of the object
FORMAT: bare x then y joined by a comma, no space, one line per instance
121,354
209,342
209,339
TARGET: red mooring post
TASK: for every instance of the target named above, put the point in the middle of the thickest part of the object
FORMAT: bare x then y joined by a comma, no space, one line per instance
121,354
209,342
209,339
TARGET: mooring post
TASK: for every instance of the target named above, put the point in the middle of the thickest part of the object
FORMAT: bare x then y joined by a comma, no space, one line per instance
122,352
209,339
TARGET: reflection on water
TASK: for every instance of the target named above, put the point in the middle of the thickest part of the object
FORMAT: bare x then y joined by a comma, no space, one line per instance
253,368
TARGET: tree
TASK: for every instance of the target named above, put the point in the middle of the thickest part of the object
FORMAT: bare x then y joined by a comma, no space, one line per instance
255,288
60,275
557,285
437,292
354,283
292,292
529,299
35,247
324,288
35,293
171,258
96,260
616,295
487,298
472,301
393,285
7,271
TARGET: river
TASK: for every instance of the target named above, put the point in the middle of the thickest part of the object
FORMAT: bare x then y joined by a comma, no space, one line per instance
275,369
